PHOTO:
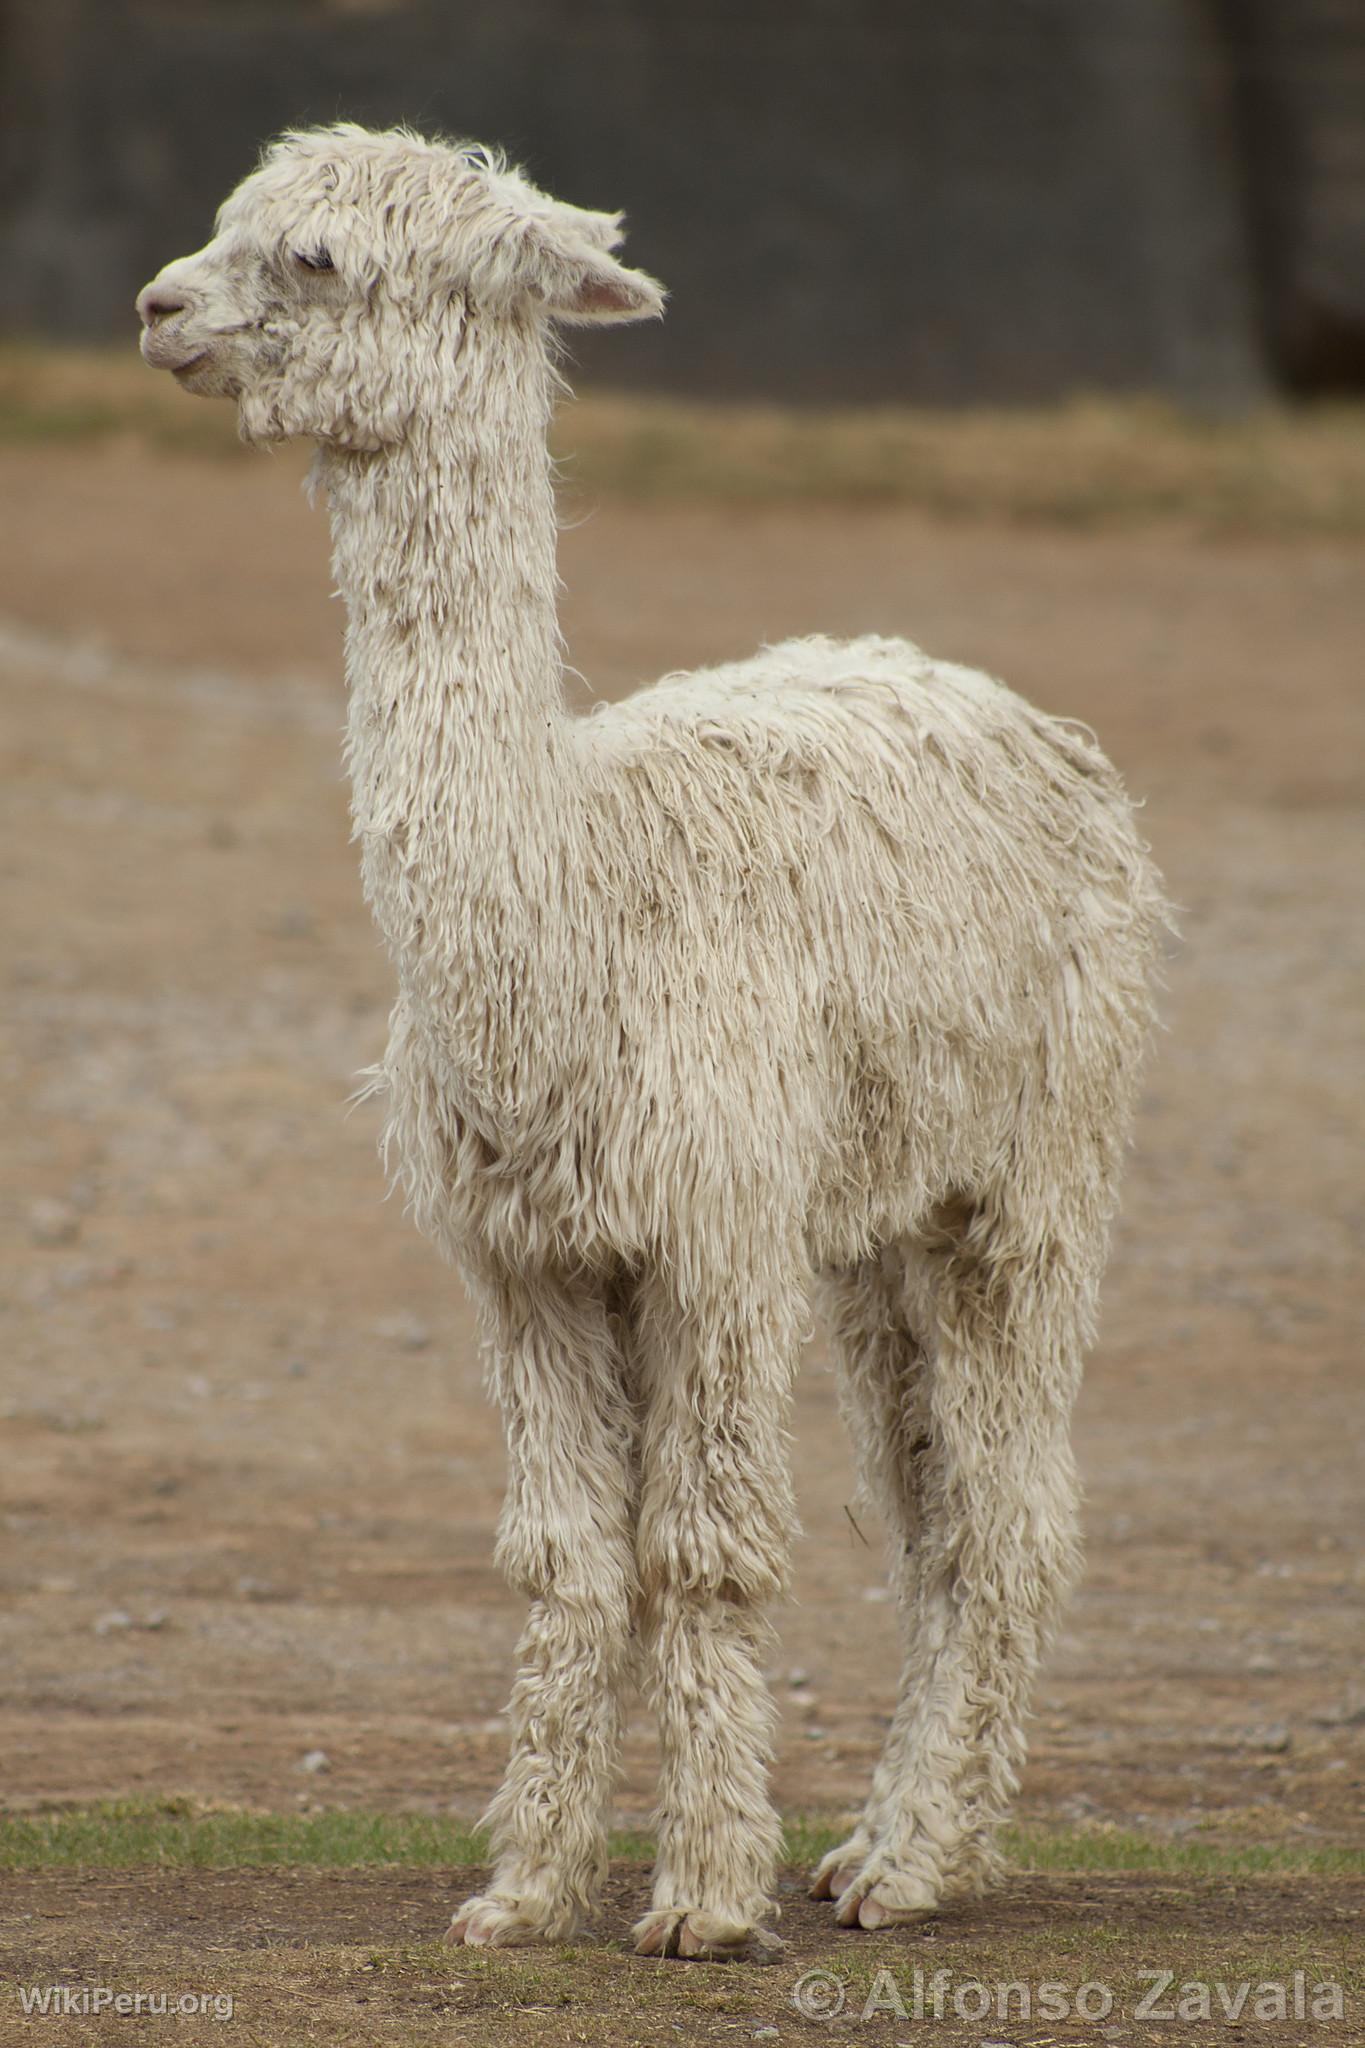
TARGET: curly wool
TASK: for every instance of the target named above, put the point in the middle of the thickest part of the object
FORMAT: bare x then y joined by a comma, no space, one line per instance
824,972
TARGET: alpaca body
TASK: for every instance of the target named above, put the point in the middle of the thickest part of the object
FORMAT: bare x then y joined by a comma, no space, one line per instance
854,1056
824,972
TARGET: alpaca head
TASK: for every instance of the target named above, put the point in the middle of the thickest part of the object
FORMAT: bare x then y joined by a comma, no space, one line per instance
335,294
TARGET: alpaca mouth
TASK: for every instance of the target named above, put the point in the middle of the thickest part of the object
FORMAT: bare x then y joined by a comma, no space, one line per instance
173,352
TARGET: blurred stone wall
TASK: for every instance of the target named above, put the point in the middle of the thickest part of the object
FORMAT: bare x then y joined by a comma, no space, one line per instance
997,199
1299,91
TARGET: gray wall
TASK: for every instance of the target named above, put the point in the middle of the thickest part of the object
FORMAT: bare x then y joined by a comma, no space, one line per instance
1003,199
1299,94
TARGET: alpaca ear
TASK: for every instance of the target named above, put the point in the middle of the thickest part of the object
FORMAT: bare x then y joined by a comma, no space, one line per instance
577,278
603,230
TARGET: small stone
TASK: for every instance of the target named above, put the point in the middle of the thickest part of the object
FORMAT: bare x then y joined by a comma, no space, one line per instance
815,1733
1263,1665
158,1618
876,1595
53,1223
796,1678
116,1618
314,1761
407,1332
1274,1741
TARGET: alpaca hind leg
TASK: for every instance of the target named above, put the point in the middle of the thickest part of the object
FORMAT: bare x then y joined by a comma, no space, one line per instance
1005,1321
566,1540
714,1533
884,1395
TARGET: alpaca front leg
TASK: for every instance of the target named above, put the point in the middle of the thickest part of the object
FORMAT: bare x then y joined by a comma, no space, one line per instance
565,1539
719,1836
715,1527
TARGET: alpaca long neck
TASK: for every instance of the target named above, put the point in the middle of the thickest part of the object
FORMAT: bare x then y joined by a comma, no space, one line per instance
444,551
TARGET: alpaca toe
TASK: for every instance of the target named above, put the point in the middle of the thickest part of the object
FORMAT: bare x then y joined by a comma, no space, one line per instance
846,1904
835,1872
703,1937
487,1922
896,1898
711,1938
657,1934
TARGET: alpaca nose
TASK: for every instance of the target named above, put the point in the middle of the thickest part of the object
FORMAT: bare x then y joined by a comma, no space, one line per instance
158,302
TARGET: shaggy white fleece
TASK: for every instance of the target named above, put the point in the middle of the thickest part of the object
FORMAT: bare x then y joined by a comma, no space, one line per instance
826,969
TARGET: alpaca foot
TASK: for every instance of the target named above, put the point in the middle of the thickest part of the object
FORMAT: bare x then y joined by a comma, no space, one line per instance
487,1921
835,1872
704,1937
877,1897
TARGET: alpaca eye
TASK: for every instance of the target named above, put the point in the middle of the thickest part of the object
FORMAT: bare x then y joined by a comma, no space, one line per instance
314,259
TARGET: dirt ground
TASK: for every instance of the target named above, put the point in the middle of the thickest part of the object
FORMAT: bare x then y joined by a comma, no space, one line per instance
251,1480
294,1952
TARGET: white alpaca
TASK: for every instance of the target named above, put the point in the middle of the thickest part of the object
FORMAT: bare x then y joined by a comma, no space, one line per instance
829,966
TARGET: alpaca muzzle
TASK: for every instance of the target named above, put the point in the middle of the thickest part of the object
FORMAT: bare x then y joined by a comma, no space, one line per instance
165,344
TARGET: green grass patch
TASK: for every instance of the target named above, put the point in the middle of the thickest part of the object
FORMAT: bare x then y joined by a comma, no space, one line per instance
128,1834
1121,1849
